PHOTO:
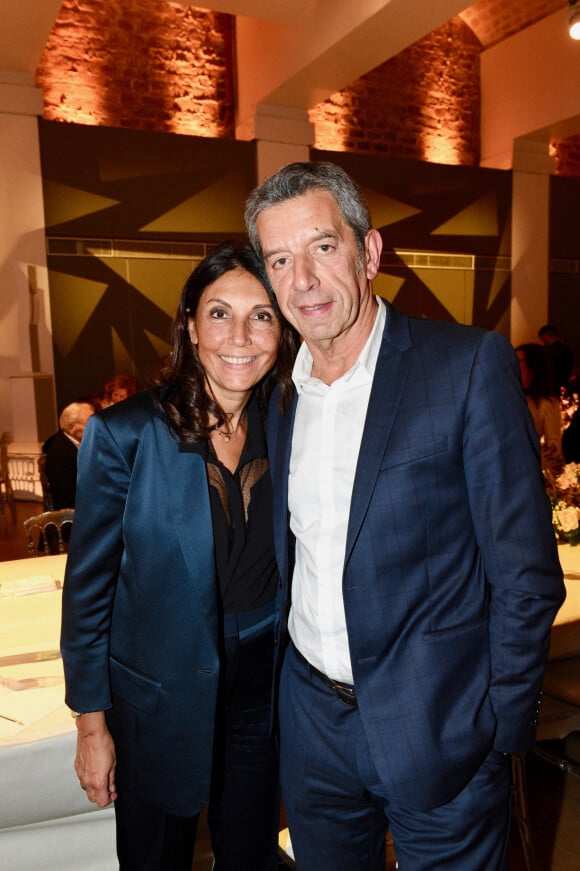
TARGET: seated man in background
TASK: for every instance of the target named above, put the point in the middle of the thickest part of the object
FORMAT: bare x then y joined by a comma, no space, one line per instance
61,453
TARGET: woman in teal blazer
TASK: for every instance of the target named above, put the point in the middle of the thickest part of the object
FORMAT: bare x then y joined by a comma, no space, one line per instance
167,630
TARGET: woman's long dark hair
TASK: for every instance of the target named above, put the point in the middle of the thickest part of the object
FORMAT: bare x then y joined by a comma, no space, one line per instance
184,396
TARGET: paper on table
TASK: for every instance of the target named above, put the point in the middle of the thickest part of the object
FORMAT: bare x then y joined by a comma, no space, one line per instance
33,656
29,586
42,692
30,623
29,683
27,707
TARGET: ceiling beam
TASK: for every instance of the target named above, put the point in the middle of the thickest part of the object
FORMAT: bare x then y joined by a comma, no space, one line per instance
26,25
305,60
530,89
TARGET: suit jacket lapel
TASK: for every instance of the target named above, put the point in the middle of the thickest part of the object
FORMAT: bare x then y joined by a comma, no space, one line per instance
188,505
388,384
280,427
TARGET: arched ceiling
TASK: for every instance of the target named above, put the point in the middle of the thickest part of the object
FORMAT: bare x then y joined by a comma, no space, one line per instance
492,21
295,53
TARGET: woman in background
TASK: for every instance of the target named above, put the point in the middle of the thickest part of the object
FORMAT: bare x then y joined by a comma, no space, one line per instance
168,601
120,387
541,395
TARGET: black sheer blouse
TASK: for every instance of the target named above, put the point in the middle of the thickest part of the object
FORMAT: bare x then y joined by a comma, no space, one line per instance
241,507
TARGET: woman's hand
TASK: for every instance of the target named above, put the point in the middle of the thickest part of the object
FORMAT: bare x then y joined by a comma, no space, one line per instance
95,759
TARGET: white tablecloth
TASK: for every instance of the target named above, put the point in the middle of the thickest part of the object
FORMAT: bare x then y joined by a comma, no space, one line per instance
46,821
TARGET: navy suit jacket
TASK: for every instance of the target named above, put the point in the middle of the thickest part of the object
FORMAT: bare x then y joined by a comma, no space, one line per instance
140,604
451,577
61,470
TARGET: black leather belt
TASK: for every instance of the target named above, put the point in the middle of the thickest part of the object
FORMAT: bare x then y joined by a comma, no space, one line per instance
344,692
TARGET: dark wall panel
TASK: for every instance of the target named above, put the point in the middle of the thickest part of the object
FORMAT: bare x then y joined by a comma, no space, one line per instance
446,235
129,214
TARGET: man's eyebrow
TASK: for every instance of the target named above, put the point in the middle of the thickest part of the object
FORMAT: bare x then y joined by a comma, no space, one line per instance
270,252
324,234
317,237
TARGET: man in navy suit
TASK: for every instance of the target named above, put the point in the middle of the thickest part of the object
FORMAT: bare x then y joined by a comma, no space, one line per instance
419,569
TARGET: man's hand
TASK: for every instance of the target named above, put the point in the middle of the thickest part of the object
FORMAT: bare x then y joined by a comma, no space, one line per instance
95,759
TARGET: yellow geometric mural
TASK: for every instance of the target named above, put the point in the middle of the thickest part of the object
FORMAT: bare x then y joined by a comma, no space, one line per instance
65,203
73,302
453,288
159,280
387,286
162,348
477,219
207,211
386,210
121,355
499,276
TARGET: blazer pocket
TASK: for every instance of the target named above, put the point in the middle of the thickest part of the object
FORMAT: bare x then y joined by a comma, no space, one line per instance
134,688
411,453
470,629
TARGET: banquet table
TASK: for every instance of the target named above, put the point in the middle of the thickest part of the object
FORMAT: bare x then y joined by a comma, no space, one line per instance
46,820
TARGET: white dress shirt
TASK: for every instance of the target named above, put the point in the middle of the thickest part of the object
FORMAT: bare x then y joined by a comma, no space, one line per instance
75,442
326,441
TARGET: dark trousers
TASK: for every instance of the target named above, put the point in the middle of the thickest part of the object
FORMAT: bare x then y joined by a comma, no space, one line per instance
243,811
338,812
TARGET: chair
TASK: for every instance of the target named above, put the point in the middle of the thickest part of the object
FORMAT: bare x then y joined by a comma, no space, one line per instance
560,715
560,710
559,718
47,532
47,502
520,811
6,493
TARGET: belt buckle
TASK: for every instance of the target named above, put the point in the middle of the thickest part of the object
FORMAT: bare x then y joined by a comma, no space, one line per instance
346,695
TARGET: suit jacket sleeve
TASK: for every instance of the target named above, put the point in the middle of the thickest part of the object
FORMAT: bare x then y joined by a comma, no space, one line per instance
512,522
95,552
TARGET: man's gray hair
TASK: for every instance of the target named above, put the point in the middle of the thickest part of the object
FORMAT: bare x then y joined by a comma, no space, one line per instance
70,415
296,179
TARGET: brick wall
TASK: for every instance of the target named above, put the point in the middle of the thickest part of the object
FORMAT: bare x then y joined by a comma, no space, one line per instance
422,104
567,153
143,64
155,65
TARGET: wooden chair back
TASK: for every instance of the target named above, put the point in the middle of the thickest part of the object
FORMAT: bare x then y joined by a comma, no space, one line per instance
48,532
7,501
47,502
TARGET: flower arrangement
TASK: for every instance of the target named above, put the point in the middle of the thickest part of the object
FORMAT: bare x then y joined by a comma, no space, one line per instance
564,493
